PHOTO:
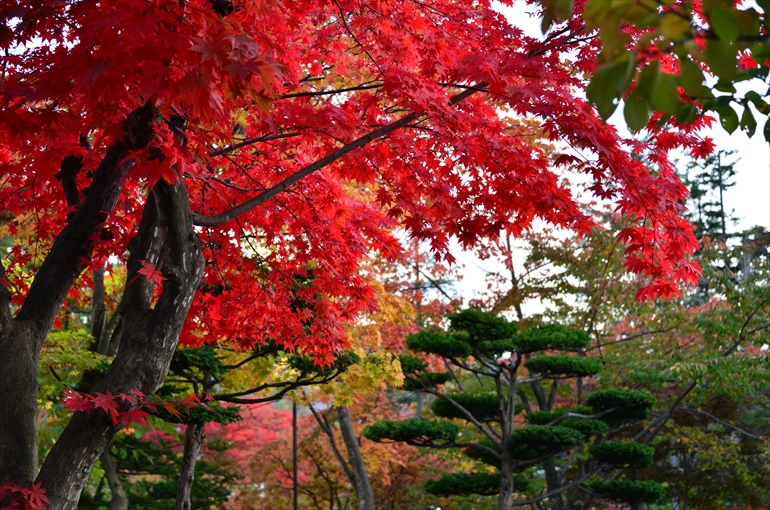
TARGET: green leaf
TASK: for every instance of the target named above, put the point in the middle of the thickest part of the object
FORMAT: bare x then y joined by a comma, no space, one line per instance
748,123
721,59
648,80
724,24
691,77
636,112
665,97
608,83
674,26
595,13
728,118
757,101
766,130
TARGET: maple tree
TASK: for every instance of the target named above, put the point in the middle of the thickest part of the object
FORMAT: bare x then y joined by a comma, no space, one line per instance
227,150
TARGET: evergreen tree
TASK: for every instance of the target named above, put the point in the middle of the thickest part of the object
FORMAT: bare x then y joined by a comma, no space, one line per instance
491,369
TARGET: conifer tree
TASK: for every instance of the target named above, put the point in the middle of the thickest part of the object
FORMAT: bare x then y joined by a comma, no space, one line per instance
489,364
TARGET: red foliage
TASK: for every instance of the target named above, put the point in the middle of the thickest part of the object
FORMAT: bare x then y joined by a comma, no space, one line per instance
17,497
398,103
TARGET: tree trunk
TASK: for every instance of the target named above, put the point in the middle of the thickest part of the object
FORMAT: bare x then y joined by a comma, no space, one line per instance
119,496
18,402
363,487
22,337
506,480
552,483
147,342
193,439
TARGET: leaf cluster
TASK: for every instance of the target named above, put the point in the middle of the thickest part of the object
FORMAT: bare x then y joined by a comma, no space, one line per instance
484,407
564,366
623,453
533,441
435,341
632,492
626,404
551,336
417,431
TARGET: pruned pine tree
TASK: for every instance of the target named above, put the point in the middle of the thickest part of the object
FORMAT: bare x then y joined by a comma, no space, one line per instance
483,404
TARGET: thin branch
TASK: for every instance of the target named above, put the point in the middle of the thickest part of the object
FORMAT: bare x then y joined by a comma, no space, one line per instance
251,141
219,219
722,422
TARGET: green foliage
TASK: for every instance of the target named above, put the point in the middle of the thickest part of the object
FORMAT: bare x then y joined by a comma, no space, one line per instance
153,469
418,431
307,365
623,453
632,492
484,407
546,417
439,342
191,361
564,366
586,426
533,441
628,404
551,336
426,380
458,484
411,364
482,326
204,413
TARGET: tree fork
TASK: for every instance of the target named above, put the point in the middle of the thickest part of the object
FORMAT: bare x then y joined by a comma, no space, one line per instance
147,342
22,338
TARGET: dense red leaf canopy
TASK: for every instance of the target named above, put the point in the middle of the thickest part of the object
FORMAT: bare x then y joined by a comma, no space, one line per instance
429,94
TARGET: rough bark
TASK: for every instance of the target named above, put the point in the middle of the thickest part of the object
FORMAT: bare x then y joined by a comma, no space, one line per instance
147,342
362,486
119,497
99,314
193,439
21,338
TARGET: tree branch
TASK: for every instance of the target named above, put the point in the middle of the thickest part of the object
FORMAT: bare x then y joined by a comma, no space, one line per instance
218,219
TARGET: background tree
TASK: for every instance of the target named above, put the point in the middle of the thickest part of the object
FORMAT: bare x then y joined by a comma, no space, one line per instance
701,356
487,348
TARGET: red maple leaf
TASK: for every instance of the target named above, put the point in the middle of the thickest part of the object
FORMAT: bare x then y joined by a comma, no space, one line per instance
107,402
76,401
36,496
135,415
151,273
